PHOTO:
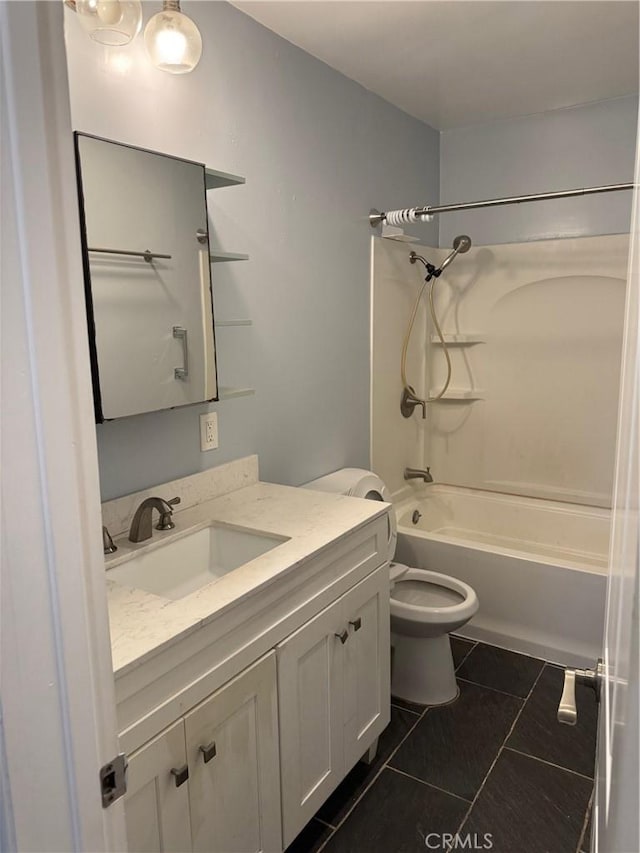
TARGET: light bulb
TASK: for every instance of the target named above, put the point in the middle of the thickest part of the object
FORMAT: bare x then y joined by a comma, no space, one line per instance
112,22
172,40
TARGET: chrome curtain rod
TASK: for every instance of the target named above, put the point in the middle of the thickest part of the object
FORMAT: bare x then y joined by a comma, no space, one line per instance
415,214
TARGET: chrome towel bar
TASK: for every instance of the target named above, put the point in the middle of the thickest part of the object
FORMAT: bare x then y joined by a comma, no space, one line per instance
148,255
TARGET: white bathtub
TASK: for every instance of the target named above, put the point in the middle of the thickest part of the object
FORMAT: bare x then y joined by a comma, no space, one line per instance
538,567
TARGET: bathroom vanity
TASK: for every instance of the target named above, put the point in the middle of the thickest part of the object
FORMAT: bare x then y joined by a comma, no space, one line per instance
242,704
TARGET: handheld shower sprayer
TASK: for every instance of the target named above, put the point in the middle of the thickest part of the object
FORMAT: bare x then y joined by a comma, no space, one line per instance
461,246
410,400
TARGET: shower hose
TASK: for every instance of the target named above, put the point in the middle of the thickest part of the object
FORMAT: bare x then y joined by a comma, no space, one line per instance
407,338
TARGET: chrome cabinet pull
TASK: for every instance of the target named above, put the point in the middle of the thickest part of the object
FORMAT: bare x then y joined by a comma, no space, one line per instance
208,752
357,624
180,774
343,636
181,333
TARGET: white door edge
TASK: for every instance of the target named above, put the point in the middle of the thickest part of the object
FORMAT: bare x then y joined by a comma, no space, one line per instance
58,710
616,823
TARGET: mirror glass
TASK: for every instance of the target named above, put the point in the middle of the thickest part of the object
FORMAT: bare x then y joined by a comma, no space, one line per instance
148,278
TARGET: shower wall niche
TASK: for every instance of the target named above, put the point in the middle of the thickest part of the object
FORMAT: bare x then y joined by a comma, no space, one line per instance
534,332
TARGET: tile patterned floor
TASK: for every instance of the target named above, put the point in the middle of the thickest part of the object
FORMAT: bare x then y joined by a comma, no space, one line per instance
495,761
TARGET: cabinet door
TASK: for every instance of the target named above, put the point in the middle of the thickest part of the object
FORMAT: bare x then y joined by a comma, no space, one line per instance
156,805
367,699
232,747
310,674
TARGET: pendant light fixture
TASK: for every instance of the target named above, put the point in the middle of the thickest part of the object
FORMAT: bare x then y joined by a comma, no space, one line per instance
172,40
111,22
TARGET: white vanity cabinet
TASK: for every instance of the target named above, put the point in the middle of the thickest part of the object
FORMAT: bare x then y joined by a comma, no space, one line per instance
333,693
210,782
268,704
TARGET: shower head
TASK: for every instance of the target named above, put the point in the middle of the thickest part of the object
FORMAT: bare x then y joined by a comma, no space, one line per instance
461,244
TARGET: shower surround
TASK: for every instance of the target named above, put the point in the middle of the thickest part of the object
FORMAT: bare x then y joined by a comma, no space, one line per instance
522,446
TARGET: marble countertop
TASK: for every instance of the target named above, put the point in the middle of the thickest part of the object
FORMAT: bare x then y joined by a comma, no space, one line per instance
142,624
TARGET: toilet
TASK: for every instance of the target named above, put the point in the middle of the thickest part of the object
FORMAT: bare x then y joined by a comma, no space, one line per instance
425,606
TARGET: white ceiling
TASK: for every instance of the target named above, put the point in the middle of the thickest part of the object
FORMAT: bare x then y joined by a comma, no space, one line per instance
456,63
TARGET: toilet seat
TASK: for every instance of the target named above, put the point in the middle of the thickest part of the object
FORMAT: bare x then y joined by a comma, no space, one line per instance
460,610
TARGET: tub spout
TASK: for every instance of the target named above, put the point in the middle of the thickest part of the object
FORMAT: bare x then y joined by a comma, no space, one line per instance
418,474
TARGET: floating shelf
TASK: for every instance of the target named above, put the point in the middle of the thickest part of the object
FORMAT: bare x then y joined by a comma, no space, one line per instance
217,256
226,392
215,179
457,340
464,394
243,322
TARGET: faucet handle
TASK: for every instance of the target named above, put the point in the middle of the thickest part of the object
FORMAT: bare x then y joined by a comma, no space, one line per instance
107,542
165,522
409,402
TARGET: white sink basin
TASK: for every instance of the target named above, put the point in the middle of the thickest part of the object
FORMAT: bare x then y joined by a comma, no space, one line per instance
191,562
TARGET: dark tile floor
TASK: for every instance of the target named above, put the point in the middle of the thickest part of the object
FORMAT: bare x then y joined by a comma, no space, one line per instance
493,762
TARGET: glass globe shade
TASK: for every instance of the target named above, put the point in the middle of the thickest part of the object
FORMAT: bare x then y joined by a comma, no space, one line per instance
173,41
112,22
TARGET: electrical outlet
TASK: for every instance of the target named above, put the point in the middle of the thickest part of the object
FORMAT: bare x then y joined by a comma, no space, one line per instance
209,431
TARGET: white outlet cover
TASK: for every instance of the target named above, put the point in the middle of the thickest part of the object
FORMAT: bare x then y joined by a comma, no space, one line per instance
208,431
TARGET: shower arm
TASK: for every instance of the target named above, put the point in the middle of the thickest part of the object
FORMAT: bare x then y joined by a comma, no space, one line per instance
415,214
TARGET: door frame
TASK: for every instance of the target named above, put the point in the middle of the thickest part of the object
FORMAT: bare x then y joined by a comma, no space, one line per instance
57,717
616,825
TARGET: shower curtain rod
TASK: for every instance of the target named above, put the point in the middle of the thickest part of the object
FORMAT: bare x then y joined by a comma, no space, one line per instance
415,214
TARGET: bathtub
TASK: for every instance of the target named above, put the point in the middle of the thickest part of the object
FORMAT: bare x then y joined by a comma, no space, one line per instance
539,567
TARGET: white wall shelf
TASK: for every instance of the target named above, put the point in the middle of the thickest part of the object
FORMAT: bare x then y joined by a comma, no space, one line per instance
460,340
217,256
215,179
227,392
458,394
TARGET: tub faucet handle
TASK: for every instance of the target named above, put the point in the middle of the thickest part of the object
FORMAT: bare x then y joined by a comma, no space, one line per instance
410,400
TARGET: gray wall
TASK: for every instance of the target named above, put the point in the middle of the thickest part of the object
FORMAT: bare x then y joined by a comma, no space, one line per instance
582,146
318,151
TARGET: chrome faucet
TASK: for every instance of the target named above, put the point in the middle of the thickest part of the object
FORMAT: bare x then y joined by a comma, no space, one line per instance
141,524
418,474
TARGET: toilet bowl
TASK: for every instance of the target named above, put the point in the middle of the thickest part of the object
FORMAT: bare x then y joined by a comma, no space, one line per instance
425,606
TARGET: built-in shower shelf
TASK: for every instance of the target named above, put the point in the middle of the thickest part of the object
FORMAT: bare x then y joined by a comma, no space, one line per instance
227,392
215,179
459,394
238,322
458,339
217,256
